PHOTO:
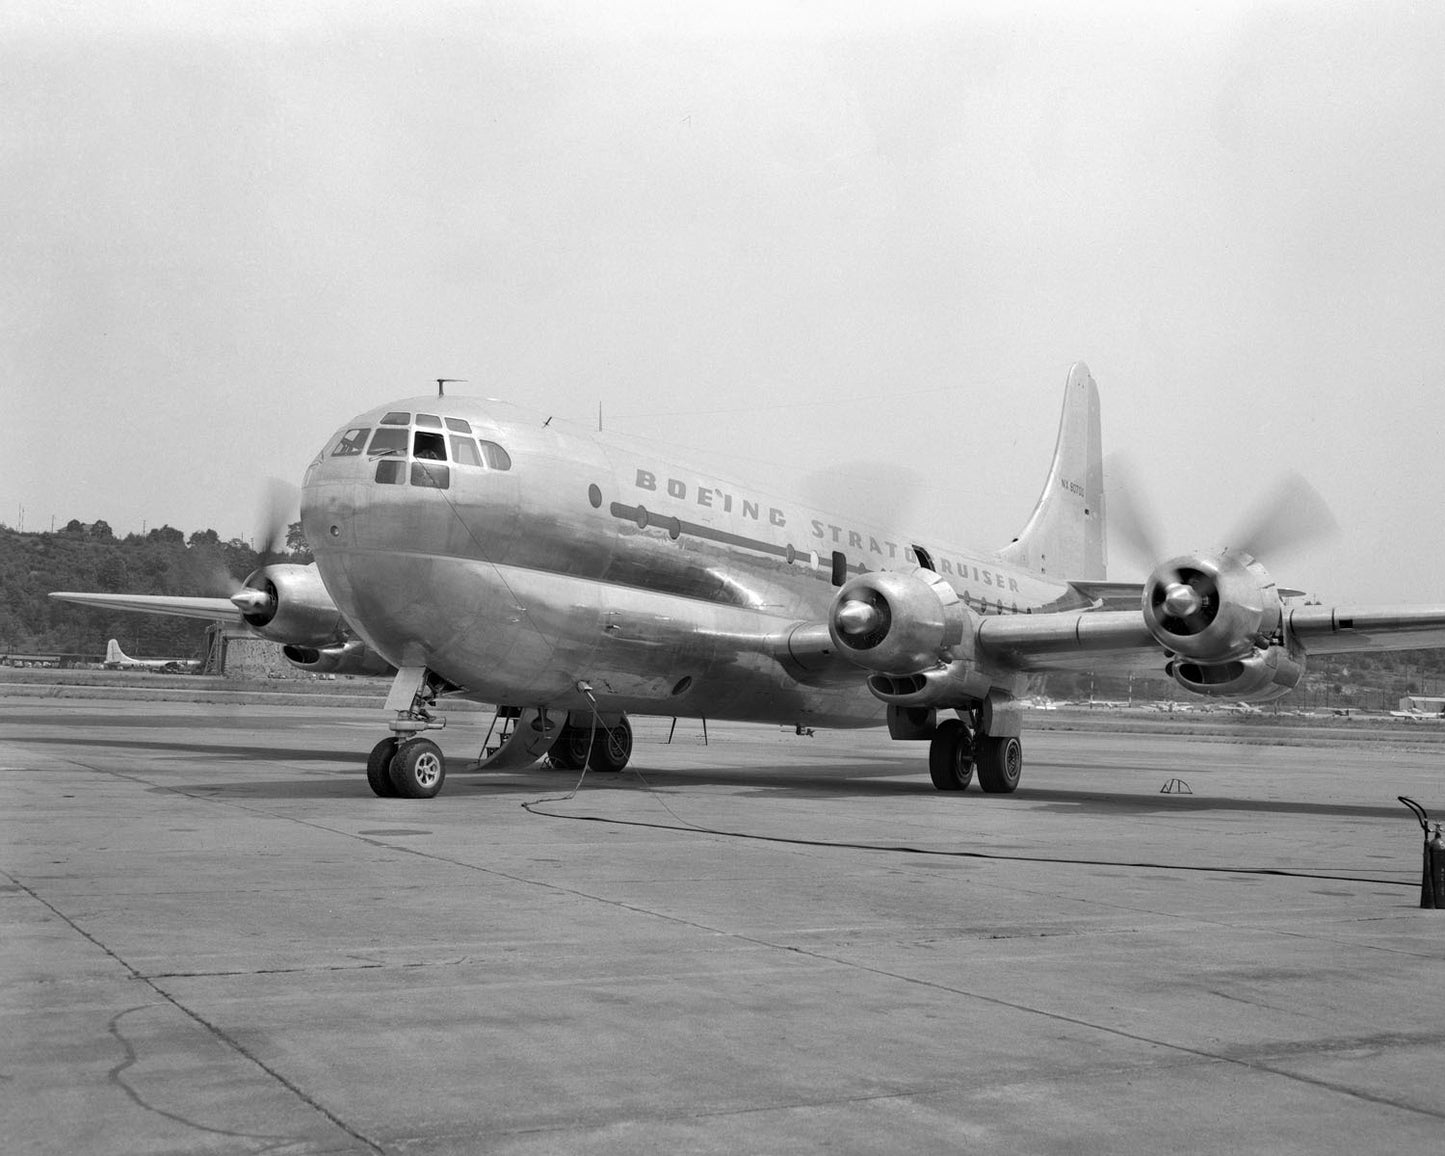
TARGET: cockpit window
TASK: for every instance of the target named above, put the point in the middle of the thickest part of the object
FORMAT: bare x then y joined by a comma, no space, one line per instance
496,457
387,441
351,442
428,421
457,425
390,471
431,446
396,417
432,474
464,451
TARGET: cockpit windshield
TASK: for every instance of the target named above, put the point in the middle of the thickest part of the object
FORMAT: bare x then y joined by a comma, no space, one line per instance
411,448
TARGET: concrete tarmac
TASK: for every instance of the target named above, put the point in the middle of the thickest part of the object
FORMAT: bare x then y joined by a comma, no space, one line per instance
216,939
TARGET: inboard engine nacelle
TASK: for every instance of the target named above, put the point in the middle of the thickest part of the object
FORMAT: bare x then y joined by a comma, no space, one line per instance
353,657
289,604
913,631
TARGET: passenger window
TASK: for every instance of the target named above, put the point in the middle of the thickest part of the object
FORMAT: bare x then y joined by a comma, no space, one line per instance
457,425
464,451
351,443
396,418
387,441
390,471
431,474
496,457
428,421
431,446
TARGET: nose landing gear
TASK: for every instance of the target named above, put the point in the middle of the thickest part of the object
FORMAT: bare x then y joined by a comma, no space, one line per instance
406,764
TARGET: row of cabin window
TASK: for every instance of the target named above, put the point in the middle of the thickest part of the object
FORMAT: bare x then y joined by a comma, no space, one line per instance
425,446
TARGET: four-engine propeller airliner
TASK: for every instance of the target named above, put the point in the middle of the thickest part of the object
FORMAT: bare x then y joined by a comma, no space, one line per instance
482,552
117,659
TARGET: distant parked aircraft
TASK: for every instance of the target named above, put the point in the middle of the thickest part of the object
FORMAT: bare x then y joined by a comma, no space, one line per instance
117,659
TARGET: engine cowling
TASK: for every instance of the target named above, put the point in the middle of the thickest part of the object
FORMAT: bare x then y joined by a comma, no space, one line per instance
1212,609
897,622
353,657
1260,676
911,629
289,604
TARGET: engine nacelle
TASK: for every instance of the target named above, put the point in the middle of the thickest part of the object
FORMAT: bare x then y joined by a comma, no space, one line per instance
953,685
901,623
289,603
1260,676
353,657
1213,610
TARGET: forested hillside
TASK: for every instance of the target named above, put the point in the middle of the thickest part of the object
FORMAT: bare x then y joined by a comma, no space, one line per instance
90,557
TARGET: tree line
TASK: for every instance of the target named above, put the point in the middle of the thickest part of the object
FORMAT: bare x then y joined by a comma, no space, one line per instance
91,557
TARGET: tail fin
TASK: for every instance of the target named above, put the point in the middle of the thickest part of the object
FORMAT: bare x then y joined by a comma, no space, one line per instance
1064,537
113,652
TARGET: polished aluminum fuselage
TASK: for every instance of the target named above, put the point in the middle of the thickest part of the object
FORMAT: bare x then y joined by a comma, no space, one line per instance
593,562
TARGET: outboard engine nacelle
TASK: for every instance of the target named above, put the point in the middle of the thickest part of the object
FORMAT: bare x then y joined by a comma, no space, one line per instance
1212,609
900,623
1262,675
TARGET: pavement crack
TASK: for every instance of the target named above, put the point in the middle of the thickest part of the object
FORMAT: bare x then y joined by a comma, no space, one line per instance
214,1030
116,1076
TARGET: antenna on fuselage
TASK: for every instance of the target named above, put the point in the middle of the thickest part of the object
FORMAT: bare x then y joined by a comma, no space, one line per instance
442,381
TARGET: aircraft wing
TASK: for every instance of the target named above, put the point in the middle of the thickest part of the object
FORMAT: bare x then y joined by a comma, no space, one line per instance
1119,639
1073,640
1344,629
211,609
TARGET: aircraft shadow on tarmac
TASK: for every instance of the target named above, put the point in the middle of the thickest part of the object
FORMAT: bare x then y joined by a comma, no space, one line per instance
204,750
856,779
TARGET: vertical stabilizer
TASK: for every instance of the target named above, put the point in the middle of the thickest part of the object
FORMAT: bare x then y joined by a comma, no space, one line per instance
114,655
1064,537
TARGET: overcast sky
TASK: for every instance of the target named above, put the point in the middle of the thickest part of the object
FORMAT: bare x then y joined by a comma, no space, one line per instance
802,235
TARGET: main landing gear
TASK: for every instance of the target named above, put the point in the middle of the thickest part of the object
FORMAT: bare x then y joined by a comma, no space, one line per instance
409,766
956,752
601,748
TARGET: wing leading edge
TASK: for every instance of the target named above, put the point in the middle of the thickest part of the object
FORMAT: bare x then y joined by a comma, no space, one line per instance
211,609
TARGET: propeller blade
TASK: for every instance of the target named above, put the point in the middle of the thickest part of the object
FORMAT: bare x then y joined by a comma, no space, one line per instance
1291,515
1130,515
279,501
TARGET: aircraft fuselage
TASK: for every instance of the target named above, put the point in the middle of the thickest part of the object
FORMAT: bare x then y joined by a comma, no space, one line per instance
538,556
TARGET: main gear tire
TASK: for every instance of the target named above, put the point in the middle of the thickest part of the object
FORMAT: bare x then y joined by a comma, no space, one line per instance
569,752
611,748
1000,763
950,756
